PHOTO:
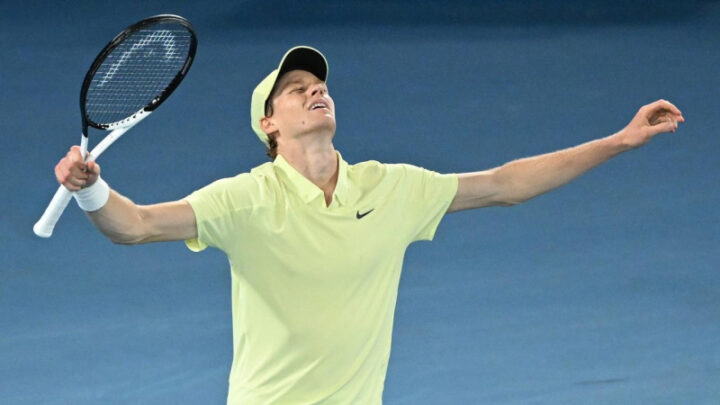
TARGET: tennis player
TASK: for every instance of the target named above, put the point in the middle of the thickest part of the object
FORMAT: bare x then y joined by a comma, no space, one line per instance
316,244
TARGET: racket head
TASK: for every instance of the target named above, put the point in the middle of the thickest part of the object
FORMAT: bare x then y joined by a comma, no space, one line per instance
136,71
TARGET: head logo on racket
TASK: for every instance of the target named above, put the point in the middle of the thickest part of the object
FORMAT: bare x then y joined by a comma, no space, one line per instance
145,48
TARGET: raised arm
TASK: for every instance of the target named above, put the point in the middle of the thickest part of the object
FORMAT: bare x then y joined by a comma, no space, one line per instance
523,179
121,220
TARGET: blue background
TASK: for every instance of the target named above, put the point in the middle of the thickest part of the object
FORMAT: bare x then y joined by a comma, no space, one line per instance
604,291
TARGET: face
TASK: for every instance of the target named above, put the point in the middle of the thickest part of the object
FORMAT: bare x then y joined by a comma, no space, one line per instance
301,105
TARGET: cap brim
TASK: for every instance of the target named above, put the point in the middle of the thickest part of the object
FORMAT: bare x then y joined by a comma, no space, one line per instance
304,58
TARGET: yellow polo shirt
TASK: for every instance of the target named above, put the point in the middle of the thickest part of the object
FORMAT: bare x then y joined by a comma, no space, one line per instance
314,286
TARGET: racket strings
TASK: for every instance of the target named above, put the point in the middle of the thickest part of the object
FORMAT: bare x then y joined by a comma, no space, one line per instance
137,72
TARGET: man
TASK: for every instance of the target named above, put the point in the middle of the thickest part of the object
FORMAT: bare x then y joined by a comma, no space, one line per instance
316,244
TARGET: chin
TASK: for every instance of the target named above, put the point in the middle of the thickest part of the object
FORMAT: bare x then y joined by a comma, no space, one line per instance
329,124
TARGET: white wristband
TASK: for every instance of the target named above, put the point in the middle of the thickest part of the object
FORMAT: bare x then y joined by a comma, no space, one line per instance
94,197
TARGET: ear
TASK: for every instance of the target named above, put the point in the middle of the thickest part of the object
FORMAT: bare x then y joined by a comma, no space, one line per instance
267,125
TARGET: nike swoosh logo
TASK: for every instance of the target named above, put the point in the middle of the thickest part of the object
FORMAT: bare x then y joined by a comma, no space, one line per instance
359,215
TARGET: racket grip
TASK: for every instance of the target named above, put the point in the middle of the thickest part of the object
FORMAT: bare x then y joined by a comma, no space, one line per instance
45,225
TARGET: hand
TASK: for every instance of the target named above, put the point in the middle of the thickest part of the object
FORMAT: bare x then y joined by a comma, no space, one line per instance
73,173
652,119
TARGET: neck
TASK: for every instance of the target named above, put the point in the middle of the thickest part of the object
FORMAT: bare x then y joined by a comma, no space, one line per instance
317,161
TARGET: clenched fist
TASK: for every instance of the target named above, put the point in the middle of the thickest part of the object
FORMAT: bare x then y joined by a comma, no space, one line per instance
74,173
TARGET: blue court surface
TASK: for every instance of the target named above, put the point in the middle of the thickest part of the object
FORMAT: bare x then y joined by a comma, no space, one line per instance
606,291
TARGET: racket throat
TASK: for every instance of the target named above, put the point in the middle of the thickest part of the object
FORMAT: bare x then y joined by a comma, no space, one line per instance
84,143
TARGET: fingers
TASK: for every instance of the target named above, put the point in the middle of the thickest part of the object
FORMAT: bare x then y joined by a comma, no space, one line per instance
665,106
668,106
668,126
93,168
662,122
73,173
70,176
93,173
74,154
650,120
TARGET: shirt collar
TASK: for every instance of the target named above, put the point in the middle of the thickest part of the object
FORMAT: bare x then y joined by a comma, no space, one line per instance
306,189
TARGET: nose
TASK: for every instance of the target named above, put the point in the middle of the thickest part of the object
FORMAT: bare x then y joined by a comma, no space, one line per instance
319,89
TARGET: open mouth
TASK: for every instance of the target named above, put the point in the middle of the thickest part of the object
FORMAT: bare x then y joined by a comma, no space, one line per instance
319,105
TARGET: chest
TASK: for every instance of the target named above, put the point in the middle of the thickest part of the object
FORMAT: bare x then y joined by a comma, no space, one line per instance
317,243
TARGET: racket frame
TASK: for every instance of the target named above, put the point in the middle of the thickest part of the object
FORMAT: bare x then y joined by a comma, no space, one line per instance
45,225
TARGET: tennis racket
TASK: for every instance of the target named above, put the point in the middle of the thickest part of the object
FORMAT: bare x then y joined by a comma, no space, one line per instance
128,80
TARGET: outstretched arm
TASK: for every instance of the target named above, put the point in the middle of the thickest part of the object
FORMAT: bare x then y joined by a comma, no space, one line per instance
523,179
121,220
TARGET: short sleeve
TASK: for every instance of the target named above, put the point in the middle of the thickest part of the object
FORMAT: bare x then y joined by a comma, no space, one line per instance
218,212
428,195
